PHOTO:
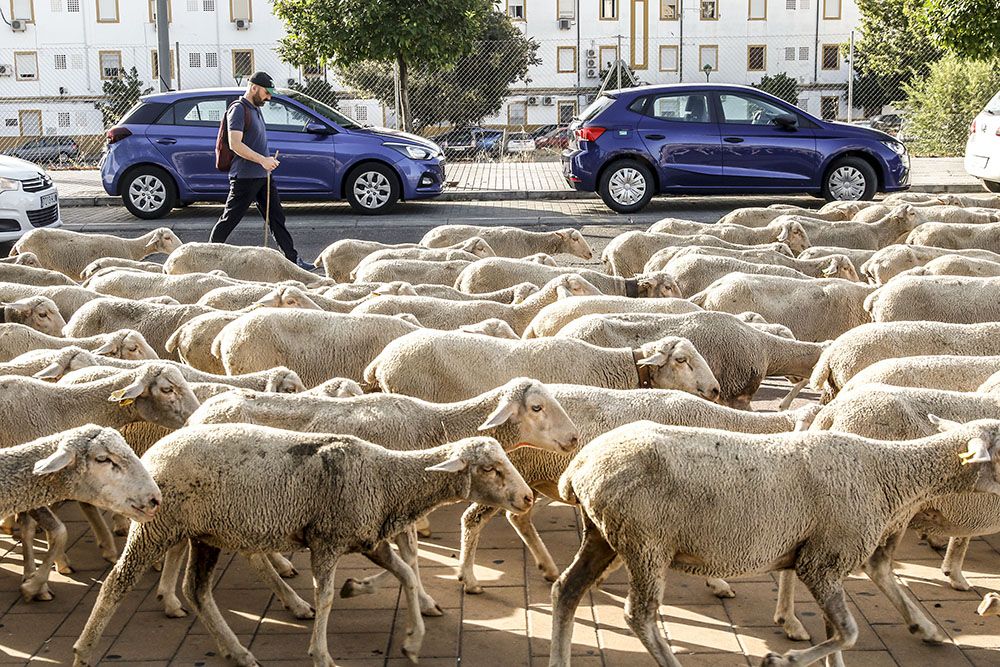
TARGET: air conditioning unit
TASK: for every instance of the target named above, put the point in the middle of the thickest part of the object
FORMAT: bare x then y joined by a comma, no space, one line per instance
532,100
592,73
242,24
591,62
18,25
6,70
547,101
591,53
565,24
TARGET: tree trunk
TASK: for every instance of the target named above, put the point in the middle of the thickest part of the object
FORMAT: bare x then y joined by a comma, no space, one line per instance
404,95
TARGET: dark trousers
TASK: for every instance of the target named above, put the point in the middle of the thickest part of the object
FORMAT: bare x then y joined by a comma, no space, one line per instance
242,193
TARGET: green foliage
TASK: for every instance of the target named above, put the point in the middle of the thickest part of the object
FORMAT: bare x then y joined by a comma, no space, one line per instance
968,28
120,95
944,102
780,85
317,88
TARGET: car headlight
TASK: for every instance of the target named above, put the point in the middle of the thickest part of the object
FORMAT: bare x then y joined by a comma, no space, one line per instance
895,146
412,150
8,184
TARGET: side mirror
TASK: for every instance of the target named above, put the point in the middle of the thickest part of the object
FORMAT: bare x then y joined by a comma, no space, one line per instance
786,121
319,128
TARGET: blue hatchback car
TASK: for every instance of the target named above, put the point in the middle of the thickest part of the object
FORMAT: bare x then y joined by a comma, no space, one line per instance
631,144
162,154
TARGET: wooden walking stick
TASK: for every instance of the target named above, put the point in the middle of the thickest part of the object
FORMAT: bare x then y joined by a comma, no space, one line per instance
267,208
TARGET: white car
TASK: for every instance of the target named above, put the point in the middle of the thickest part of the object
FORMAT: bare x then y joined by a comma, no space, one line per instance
982,152
28,199
520,142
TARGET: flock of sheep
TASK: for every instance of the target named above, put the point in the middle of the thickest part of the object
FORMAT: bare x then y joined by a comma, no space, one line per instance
276,410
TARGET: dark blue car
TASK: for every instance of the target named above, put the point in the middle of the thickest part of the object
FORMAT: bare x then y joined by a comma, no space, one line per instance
631,144
163,154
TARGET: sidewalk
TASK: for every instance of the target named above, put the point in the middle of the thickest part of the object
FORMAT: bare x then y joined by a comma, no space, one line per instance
492,181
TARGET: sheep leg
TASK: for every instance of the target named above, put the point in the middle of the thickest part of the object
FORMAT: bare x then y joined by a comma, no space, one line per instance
792,393
474,519
120,524
407,543
166,590
526,530
879,570
720,588
105,540
590,562
27,527
291,601
36,583
784,612
282,565
324,566
642,606
842,629
952,564
384,556
424,527
202,559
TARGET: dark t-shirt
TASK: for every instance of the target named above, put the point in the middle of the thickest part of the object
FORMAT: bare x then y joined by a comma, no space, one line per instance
254,136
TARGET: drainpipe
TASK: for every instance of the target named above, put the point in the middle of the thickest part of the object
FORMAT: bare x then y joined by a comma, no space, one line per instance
163,44
816,45
680,48
579,60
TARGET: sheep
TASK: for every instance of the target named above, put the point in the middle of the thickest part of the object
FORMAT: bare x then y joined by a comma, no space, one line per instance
373,494
339,259
956,215
495,273
89,464
926,211
555,316
239,262
156,322
414,271
755,216
990,605
24,259
37,312
70,252
869,343
314,344
956,265
16,339
892,260
859,235
29,275
797,501
470,250
626,254
739,355
955,299
857,256
956,237
694,272
336,388
932,371
915,198
444,314
491,327
783,229
67,298
980,201
244,295
512,241
451,366
991,383
814,309
514,294
760,254
109,262
132,284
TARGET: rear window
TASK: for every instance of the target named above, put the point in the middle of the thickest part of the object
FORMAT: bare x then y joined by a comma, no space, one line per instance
143,113
993,106
595,108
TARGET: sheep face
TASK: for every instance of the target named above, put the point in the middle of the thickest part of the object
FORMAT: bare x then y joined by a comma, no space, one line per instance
478,247
675,363
28,259
395,288
575,285
794,236
990,606
658,285
540,258
160,394
104,471
782,248
572,242
539,418
286,381
71,359
338,388
127,345
983,446
288,297
494,327
841,267
492,479
164,241
522,291
37,312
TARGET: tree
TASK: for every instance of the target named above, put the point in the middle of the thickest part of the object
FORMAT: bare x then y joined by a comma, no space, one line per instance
429,34
968,28
319,89
120,95
780,85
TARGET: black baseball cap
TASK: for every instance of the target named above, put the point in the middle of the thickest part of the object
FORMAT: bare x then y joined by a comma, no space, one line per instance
264,80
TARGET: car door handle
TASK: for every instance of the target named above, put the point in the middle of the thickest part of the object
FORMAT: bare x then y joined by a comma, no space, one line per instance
166,140
733,140
655,137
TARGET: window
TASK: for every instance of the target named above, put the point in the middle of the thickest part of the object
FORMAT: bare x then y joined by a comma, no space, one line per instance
789,4
23,10
803,53
243,63
107,11
30,121
609,56
803,4
803,103
152,11
194,59
565,58
154,61
517,113
609,10
63,119
73,6
240,10
708,55
565,9
741,109
59,61
361,113
831,56
515,10
668,10
111,64
208,5
55,6
280,117
757,10
789,53
312,71
211,59
756,58
831,10
197,112
26,65
10,122
565,113
76,60
829,106
81,119
688,108
709,10
668,58
192,5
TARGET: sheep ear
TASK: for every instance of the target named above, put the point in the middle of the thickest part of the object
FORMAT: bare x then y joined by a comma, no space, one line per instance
17,307
106,348
978,452
562,292
457,464
943,424
560,233
59,459
126,395
655,359
831,268
501,415
784,234
51,372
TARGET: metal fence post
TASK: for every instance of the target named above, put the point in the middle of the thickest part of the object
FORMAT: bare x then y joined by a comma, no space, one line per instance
163,44
850,79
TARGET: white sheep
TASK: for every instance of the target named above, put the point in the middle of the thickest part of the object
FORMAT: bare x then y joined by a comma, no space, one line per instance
70,252
762,254
109,262
67,298
894,259
957,299
512,241
38,312
491,327
555,316
451,366
338,259
859,235
335,388
956,265
856,255
956,237
340,495
29,275
16,339
626,254
239,262
415,271
760,217
992,383
694,272
783,229
136,284
931,371
469,250
24,259
514,294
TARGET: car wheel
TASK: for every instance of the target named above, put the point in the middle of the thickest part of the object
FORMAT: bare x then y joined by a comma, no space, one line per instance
849,179
372,188
5,248
63,158
992,186
626,186
149,193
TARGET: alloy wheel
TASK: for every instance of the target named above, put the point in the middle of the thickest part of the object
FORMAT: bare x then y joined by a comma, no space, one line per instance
147,193
372,189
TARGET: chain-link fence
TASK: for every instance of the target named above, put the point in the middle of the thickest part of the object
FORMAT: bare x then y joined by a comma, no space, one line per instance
506,101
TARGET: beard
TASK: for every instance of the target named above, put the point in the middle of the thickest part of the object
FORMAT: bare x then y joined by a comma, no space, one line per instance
258,100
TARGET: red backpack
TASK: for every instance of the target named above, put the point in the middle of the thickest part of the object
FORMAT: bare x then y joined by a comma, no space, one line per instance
223,153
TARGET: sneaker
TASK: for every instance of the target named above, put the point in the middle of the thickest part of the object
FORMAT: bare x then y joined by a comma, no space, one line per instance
303,264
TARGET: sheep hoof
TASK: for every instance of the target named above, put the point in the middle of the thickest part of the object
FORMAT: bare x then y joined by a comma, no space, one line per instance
928,635
720,588
432,609
289,574
473,589
793,629
175,611
424,532
353,588
110,555
411,654
121,531
30,594
775,660
958,581
302,613
65,568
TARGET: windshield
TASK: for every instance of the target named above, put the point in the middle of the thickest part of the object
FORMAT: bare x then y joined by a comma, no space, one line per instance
322,109
993,106
596,107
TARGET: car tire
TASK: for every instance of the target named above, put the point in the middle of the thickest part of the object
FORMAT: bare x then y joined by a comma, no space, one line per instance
372,188
148,192
5,248
626,186
992,186
849,179
63,157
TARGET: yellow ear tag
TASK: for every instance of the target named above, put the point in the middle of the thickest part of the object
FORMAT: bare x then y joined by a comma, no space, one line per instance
127,402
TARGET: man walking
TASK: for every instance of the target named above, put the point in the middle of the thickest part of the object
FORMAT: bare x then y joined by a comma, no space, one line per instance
248,182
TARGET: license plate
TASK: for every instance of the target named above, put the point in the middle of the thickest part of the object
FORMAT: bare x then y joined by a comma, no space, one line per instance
49,199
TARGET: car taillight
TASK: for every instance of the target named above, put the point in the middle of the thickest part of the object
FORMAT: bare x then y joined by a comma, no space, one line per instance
972,128
588,133
117,134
